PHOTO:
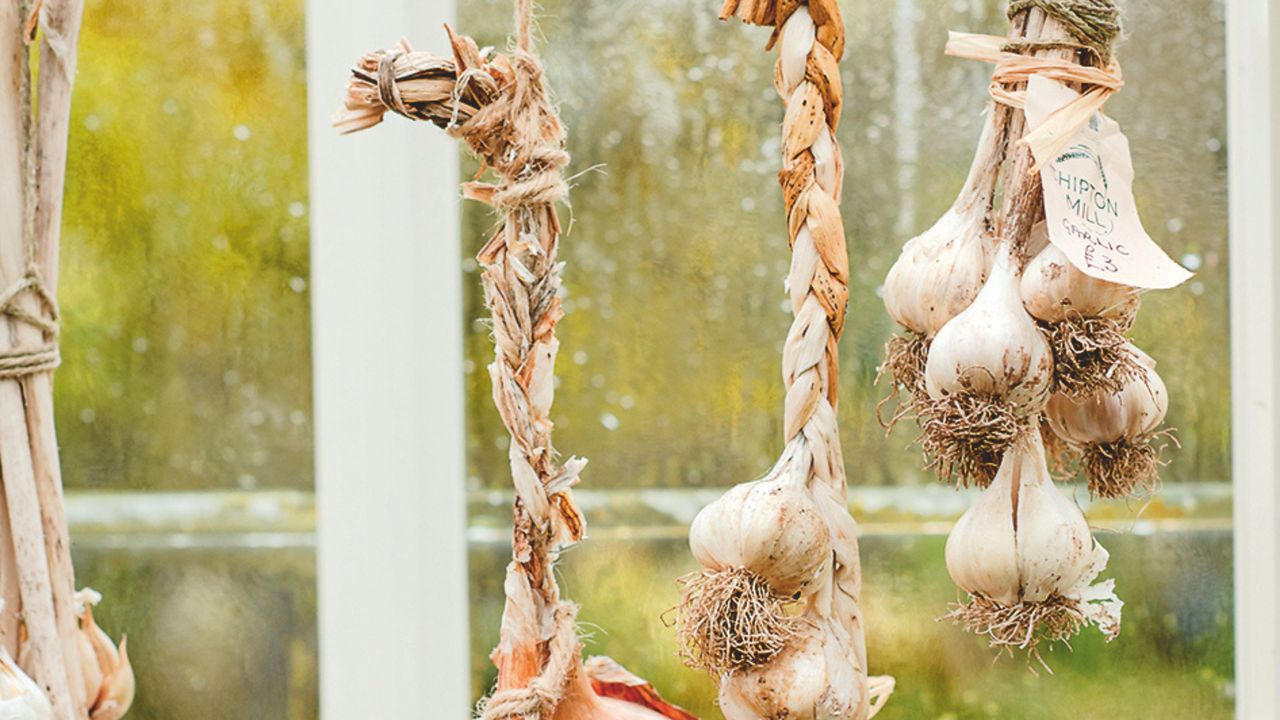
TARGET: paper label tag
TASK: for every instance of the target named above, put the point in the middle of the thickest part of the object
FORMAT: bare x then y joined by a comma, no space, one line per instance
1088,198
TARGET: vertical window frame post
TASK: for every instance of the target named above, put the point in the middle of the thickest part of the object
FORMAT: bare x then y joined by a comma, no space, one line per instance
1253,132
389,393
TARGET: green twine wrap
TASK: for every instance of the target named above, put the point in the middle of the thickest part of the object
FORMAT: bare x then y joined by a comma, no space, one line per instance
1094,23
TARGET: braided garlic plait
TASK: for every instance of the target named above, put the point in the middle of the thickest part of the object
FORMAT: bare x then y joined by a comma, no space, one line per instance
788,537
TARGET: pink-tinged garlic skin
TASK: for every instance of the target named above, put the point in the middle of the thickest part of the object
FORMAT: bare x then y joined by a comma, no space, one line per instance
993,347
772,528
1134,412
1052,287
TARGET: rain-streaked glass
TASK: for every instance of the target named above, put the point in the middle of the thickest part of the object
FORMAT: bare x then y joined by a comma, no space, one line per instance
186,351
669,377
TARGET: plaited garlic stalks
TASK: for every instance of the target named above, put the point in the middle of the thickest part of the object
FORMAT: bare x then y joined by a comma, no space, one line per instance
940,271
989,370
1116,431
1025,555
1084,318
814,662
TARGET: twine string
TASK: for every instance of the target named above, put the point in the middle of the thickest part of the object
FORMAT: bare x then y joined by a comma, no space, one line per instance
1094,23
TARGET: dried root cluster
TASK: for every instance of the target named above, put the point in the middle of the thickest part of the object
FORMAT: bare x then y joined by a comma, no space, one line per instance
1008,347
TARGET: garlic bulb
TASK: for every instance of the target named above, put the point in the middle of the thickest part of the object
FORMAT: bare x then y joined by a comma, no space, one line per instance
20,697
810,679
1026,556
1052,287
771,527
942,270
1116,431
1134,412
993,347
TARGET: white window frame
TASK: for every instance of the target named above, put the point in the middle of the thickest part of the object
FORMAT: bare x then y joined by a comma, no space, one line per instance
1253,139
387,340
387,313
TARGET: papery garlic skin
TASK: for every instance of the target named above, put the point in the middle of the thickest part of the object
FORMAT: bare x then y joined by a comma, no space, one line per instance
1134,412
797,684
1052,287
981,552
1055,545
771,527
941,271
993,347
20,697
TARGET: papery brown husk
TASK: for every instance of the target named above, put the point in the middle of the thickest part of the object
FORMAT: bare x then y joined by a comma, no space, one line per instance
1024,626
730,620
1126,468
1091,354
905,357
964,436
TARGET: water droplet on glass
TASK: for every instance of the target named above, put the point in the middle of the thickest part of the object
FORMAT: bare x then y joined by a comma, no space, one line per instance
609,421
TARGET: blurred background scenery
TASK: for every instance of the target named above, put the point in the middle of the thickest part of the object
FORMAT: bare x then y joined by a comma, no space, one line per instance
184,402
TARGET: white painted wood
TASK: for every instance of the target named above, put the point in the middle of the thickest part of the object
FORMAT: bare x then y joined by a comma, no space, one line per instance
387,312
1253,101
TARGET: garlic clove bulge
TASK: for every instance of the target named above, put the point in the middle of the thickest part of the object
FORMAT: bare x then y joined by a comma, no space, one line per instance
792,686
1055,546
981,550
1134,412
1052,286
770,527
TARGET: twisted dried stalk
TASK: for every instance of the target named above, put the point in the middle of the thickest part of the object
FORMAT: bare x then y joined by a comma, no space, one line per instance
498,106
810,38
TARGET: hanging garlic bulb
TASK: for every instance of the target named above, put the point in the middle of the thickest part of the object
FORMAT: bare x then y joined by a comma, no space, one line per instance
989,370
941,271
1085,318
762,545
1025,555
1115,430
813,677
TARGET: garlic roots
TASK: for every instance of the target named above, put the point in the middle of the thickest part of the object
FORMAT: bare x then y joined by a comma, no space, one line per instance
1085,320
1025,555
1116,431
989,371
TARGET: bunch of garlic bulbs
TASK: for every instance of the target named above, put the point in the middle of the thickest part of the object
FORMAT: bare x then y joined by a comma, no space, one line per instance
1025,555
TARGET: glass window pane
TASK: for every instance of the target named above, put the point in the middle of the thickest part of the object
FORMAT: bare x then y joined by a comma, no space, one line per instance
187,363
669,370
